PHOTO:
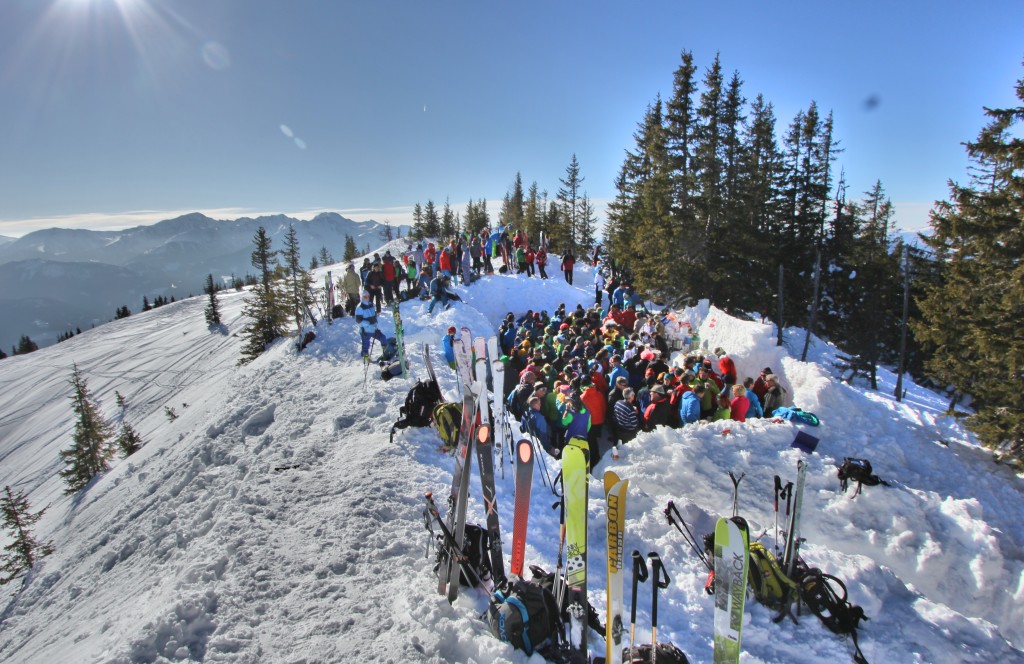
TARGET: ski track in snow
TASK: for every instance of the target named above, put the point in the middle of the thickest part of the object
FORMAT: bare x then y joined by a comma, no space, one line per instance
272,521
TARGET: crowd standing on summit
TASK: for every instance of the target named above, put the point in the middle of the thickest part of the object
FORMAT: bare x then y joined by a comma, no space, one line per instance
601,374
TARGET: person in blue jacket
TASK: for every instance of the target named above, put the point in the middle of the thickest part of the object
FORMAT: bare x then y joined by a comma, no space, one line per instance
755,409
448,344
366,317
537,424
689,405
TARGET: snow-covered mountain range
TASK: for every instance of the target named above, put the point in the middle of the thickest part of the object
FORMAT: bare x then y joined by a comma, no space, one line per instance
55,280
273,521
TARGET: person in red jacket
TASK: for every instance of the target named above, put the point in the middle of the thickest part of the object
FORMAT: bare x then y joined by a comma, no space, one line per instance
445,262
390,284
739,405
542,261
760,387
568,262
429,254
530,257
727,368
597,404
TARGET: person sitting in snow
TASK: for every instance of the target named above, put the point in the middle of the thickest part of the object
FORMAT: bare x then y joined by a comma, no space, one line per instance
439,293
366,317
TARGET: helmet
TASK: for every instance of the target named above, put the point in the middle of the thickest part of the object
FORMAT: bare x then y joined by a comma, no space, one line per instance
451,330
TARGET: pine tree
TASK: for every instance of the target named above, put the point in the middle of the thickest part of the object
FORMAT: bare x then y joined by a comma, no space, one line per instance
91,447
533,214
146,306
431,221
566,233
266,309
23,552
3,355
122,312
351,252
212,310
449,224
512,206
418,232
25,346
299,281
970,317
325,256
128,441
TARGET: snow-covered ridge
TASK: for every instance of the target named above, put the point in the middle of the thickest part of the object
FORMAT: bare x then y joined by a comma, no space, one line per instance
272,521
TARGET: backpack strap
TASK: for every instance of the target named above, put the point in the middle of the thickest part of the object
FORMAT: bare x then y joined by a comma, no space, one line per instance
527,645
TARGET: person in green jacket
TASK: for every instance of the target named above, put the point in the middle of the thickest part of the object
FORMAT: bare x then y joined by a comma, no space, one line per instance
708,401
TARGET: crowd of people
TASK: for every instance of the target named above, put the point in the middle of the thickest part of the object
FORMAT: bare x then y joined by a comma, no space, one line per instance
602,374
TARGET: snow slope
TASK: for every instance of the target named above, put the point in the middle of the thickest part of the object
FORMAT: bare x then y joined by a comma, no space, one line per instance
273,521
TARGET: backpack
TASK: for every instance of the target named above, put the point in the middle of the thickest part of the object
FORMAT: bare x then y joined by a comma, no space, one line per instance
477,546
447,418
770,584
515,403
419,404
859,471
547,581
796,415
524,613
818,592
390,350
641,654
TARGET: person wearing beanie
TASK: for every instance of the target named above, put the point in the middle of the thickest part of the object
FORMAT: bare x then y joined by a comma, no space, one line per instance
448,345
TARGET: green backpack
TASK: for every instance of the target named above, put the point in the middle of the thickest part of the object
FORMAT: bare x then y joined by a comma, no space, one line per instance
770,584
447,418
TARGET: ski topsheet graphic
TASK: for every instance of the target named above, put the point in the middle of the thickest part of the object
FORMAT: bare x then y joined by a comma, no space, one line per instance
731,556
615,499
574,478
521,514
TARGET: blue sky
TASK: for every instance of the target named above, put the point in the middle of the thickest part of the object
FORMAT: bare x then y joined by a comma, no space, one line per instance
117,112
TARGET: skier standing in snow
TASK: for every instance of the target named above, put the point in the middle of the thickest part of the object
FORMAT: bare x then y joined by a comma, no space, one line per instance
448,345
568,261
773,395
350,285
598,286
366,317
542,260
375,284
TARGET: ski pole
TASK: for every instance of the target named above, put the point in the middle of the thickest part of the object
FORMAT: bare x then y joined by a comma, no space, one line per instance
687,534
660,580
639,576
366,360
559,586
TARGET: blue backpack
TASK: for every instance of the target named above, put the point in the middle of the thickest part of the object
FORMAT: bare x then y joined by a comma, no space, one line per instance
796,415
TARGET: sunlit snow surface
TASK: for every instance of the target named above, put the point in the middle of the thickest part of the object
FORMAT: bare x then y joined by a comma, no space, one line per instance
273,521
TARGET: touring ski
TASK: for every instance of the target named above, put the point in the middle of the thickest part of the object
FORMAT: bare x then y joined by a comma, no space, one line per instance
399,337
329,288
615,499
792,550
485,459
459,495
731,557
574,478
521,510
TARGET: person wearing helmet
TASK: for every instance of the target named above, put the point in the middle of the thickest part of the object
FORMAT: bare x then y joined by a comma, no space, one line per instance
448,344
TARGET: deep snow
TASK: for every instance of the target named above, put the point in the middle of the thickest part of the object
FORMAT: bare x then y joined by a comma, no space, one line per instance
272,521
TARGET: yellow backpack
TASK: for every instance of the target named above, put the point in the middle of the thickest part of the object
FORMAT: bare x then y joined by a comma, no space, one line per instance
770,584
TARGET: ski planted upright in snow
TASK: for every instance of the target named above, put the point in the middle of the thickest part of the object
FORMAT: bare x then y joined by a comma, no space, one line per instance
731,558
399,337
521,509
615,498
485,459
574,479
449,581
329,289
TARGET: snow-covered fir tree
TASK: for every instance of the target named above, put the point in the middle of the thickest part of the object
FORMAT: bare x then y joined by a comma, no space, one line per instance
91,446
22,553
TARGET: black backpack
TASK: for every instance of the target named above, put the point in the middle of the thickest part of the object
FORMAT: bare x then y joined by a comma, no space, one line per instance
419,405
477,547
859,471
524,613
641,654
818,591
547,580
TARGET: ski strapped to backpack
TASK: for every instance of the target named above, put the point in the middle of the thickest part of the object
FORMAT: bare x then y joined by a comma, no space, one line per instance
859,471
